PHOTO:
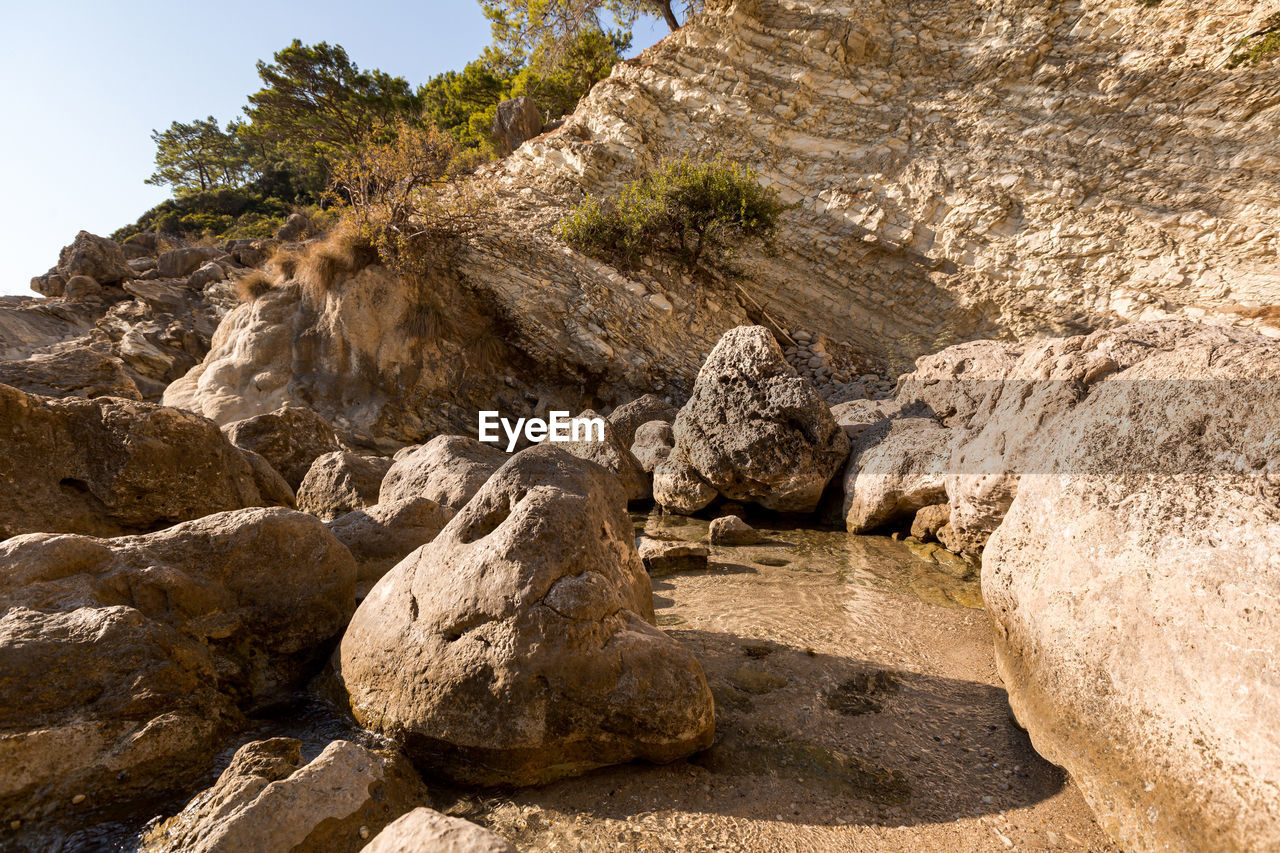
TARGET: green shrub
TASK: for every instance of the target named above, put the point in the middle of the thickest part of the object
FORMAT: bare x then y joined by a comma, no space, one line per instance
1258,46
695,212
225,212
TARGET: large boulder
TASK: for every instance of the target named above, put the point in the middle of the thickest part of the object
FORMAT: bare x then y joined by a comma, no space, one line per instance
953,383
448,469
628,417
896,467
123,662
108,466
1005,434
755,430
653,443
519,646
612,454
80,371
97,257
180,263
384,534
291,438
1132,587
339,482
515,122
424,829
678,488
268,800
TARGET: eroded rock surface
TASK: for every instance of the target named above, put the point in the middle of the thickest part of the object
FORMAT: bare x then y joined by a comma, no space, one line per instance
611,453
291,438
269,800
518,647
382,535
628,418
109,466
896,467
340,482
124,661
448,469
653,443
1132,587
757,432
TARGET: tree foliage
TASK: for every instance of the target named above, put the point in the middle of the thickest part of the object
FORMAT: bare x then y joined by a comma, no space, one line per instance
199,155
540,31
316,106
399,197
696,212
463,103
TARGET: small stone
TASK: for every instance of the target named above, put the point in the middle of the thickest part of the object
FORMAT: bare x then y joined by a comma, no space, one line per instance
662,557
77,799
731,530
756,681
364,832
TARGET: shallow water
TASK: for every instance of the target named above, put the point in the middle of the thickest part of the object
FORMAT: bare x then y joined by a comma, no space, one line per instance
841,559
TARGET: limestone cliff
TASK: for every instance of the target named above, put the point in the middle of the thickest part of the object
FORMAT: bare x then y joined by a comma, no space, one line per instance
962,170
999,169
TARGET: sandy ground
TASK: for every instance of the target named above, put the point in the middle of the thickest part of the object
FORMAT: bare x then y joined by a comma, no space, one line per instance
851,716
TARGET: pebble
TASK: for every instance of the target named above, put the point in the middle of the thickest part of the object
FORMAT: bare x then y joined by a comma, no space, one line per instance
364,832
77,799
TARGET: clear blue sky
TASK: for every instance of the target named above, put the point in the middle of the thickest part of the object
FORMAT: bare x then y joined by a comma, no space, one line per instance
86,81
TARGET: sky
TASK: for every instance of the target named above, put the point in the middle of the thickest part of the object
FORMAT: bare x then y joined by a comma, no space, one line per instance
83,84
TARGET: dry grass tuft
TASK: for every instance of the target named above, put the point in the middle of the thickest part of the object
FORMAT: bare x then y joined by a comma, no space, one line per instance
342,253
253,285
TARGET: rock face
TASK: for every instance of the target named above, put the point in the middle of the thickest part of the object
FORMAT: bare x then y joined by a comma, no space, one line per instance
269,800
1132,588
339,482
1045,384
424,829
611,454
108,466
448,469
365,352
126,660
154,330
515,122
518,647
908,236
757,432
290,438
383,535
96,257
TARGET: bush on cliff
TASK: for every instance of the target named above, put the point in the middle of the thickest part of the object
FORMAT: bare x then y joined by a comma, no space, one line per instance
695,212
